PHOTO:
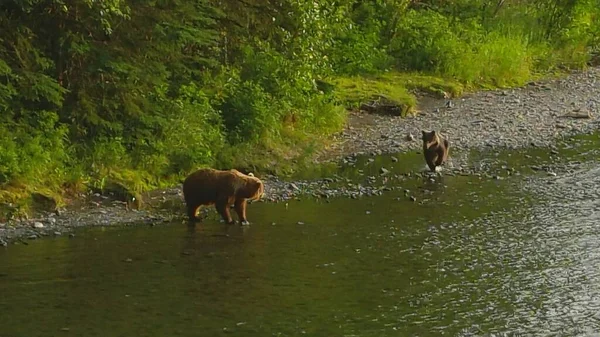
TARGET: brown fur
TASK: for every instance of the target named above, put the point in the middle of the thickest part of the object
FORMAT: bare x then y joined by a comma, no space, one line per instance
435,149
222,189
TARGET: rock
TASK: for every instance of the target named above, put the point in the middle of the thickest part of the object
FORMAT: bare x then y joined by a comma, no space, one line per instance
383,171
410,137
38,224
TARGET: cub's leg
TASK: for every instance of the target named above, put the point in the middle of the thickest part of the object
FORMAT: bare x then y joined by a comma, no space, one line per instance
441,156
430,159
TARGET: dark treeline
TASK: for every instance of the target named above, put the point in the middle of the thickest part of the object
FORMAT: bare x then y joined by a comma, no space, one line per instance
143,91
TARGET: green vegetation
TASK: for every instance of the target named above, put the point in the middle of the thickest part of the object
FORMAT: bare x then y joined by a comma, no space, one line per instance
136,93
393,86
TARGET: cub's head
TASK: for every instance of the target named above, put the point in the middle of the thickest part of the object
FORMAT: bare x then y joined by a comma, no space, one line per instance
429,137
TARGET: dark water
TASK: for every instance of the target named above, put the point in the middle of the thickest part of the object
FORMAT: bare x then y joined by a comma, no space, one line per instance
472,257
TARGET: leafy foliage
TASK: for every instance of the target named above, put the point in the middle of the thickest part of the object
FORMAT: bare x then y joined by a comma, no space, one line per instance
145,91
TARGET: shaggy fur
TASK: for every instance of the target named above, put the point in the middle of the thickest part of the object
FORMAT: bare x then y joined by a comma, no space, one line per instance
435,149
222,189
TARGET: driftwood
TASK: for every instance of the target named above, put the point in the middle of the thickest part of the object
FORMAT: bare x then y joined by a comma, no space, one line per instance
384,106
578,114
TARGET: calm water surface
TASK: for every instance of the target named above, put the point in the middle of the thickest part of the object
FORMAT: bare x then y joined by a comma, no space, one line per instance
472,257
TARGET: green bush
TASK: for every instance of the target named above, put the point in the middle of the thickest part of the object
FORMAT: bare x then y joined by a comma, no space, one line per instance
497,60
425,41
33,150
249,113
195,134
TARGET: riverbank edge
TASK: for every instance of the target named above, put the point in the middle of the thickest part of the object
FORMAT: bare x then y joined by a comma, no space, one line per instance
97,210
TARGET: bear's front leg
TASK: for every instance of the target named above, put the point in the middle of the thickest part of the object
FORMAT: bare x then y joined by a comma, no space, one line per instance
192,210
431,164
240,209
223,209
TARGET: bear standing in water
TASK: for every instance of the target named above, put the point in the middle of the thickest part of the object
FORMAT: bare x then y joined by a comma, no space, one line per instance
221,188
435,149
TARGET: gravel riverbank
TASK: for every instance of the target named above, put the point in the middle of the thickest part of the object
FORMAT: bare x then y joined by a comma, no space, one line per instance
535,115
514,118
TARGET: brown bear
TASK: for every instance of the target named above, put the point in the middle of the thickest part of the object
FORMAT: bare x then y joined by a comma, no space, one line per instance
435,149
221,188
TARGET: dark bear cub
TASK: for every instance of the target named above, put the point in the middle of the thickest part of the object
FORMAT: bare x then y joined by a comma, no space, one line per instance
435,149
222,189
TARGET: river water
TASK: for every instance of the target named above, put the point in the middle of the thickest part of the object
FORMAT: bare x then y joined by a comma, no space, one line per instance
471,256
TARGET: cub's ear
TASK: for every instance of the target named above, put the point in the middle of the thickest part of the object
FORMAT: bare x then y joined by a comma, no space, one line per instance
250,174
423,132
433,132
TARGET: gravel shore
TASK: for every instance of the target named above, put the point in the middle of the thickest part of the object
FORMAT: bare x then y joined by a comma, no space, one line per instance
535,115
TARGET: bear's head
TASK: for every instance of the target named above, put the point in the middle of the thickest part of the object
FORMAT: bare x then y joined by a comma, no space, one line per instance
255,189
250,187
429,138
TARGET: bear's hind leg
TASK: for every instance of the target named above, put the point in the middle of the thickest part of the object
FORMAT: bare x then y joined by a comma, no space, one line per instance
223,209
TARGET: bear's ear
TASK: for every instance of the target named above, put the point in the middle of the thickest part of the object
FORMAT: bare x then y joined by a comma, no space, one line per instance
423,132
433,132
250,174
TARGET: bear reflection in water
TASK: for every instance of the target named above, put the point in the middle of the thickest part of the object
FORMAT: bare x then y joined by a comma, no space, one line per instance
221,188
